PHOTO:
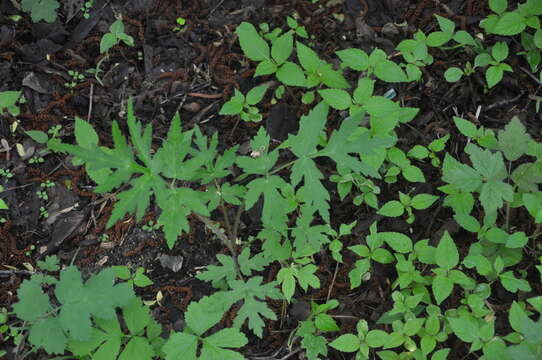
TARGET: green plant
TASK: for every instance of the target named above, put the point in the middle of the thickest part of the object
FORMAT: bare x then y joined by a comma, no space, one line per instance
310,330
76,79
114,36
180,24
151,226
361,154
6,173
138,278
43,212
42,194
244,105
406,203
41,9
85,8
8,102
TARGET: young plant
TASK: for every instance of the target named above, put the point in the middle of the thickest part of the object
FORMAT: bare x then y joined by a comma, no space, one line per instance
494,73
310,329
114,36
244,106
41,9
77,78
406,203
137,278
8,102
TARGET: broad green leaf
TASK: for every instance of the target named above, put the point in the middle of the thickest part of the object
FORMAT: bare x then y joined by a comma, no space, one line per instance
513,284
332,78
494,75
418,152
482,60
361,267
453,74
510,23
291,74
256,94
460,174
204,314
377,338
181,346
136,316
446,25
464,37
107,42
286,276
438,38
467,222
413,174
498,6
392,208
442,287
85,134
37,136
308,57
390,72
517,240
513,140
494,193
227,338
466,127
465,327
231,108
47,333
325,322
265,67
355,59
282,47
33,302
397,241
41,9
336,98
446,255
423,201
499,51
137,348
346,343
363,91
253,46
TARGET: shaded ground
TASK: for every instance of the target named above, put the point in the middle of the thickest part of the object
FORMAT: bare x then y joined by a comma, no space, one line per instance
194,71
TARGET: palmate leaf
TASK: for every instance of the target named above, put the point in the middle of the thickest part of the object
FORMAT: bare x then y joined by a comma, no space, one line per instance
339,147
309,238
252,293
303,145
176,205
98,297
215,274
261,162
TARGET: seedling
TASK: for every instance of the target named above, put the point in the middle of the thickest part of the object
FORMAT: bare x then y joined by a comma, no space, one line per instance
406,204
77,78
86,8
137,278
181,22
6,173
43,212
114,36
244,106
8,102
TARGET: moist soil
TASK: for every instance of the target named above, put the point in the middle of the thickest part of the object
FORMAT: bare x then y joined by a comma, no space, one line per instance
194,71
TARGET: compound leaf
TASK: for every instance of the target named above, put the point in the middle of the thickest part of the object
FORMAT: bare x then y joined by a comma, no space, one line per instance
252,293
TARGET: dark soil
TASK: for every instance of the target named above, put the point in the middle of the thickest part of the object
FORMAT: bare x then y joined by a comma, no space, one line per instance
194,71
